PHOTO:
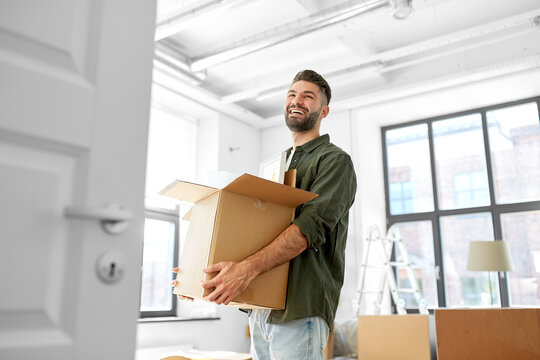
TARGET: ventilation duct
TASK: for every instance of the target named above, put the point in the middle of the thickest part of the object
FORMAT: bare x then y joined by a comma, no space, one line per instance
177,63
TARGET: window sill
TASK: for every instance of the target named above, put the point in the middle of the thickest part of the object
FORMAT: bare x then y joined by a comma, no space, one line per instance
174,319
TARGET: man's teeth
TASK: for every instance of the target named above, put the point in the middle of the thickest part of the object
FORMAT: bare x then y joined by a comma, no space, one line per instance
296,112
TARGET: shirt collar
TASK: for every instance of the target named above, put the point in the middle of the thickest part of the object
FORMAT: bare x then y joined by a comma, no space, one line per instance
312,144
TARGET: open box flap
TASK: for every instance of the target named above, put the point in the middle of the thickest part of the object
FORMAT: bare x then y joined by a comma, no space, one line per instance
269,191
186,191
187,216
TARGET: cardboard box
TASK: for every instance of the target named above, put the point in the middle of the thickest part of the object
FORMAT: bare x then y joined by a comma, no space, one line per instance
393,337
488,334
230,224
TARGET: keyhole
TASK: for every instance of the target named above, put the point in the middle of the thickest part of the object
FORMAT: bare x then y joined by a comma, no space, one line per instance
110,267
112,270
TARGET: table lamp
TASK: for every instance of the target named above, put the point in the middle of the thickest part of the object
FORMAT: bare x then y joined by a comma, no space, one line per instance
489,256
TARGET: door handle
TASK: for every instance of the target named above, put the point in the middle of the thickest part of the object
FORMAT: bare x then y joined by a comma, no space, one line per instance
113,217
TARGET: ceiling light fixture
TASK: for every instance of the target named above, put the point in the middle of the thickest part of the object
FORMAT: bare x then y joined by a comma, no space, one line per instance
401,9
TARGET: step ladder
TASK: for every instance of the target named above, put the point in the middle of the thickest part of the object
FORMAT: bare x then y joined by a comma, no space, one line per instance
384,269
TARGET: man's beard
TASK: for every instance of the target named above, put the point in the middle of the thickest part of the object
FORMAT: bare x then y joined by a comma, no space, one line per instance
302,125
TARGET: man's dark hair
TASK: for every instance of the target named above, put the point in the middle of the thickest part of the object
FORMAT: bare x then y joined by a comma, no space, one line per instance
313,77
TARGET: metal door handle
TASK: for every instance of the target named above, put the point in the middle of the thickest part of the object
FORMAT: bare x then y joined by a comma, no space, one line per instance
113,217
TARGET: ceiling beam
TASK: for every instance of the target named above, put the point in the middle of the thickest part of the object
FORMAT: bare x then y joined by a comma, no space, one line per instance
461,78
170,79
459,41
287,32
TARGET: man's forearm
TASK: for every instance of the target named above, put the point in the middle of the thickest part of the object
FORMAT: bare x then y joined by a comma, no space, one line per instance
286,246
234,277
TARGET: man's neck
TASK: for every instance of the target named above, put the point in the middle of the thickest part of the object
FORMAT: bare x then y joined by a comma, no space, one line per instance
300,138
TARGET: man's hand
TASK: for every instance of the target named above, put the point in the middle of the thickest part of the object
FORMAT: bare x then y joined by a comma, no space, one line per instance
231,280
234,277
175,283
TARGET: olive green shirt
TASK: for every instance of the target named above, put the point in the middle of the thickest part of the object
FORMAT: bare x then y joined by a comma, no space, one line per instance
316,275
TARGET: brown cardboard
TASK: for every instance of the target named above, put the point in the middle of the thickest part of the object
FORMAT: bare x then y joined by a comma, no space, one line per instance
393,337
492,334
230,224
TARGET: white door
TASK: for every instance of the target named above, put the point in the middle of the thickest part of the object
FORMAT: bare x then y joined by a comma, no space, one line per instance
75,81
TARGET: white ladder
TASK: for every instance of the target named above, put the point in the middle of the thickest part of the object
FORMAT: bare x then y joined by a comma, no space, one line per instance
387,279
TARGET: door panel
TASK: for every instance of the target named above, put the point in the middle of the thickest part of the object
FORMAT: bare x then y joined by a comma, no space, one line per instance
36,185
74,105
46,58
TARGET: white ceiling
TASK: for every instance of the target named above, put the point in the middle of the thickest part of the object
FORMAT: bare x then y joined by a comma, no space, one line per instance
368,56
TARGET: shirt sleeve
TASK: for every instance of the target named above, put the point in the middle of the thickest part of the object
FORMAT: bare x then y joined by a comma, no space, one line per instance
335,183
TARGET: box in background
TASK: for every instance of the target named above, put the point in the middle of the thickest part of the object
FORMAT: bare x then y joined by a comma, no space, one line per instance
393,337
479,334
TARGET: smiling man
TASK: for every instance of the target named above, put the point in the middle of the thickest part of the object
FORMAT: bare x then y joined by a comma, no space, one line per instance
314,242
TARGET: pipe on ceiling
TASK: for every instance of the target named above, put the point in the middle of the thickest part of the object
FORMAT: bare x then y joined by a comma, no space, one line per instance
180,20
167,56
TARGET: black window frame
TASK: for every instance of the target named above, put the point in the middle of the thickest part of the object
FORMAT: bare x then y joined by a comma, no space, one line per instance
496,210
171,216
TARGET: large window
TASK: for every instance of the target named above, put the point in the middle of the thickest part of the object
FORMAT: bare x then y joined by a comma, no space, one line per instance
463,177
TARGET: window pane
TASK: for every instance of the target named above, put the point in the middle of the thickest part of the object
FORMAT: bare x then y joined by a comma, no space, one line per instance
521,231
409,170
463,287
158,255
460,162
514,140
418,240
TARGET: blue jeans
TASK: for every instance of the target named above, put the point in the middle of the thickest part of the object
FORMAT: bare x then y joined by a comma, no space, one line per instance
302,339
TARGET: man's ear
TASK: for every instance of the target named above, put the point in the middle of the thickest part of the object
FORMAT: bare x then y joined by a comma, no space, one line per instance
325,110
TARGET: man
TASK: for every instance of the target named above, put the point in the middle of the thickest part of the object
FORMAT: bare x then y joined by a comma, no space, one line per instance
314,242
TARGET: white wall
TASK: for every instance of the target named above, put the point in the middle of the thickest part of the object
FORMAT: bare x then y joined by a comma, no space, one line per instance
274,140
207,147
239,147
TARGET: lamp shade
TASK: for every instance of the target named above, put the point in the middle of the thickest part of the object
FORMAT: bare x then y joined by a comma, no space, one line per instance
489,256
